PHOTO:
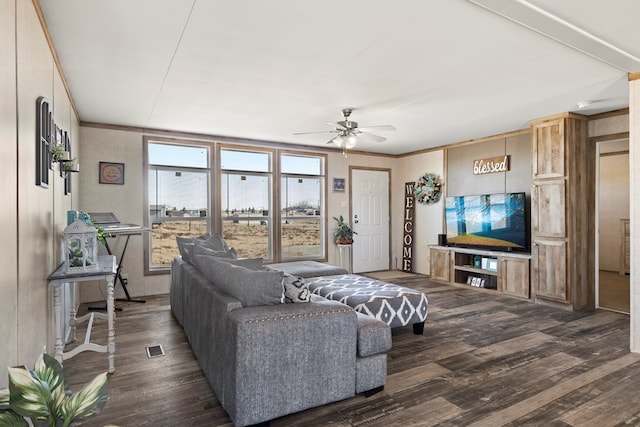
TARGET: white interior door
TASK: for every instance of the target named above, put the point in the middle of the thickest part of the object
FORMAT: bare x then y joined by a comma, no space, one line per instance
370,219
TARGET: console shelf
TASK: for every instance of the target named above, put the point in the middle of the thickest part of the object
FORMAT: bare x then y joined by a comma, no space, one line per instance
504,272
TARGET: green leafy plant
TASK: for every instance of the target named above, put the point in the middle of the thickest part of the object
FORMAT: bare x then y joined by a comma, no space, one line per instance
102,234
343,232
70,165
40,396
58,152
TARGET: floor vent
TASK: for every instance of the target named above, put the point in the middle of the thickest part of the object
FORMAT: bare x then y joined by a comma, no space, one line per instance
155,351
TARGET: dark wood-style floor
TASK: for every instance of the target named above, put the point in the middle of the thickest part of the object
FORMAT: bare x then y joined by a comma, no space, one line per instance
484,360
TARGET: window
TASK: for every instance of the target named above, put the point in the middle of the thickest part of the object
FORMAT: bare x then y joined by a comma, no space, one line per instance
246,202
301,207
178,198
267,204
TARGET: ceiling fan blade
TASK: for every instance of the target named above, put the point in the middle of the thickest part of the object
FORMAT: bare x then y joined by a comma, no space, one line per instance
337,125
372,137
310,133
378,127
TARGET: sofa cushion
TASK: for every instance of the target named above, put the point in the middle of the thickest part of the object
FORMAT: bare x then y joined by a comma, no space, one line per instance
200,260
201,254
374,336
295,289
306,269
250,287
185,245
215,242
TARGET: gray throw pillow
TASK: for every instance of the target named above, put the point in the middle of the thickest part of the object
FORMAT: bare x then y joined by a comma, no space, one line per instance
295,289
202,255
251,288
226,253
215,242
185,246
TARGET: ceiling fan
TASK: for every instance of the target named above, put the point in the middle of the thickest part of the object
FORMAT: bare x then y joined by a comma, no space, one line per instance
348,132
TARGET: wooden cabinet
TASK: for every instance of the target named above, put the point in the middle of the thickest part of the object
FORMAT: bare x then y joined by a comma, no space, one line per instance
548,208
505,272
560,203
513,276
440,264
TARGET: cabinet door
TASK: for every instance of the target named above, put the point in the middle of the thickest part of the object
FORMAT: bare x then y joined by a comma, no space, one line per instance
548,209
548,149
440,265
549,269
513,276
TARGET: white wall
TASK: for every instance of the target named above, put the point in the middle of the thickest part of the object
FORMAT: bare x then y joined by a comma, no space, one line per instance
8,185
609,125
613,206
428,218
339,203
634,161
125,201
32,216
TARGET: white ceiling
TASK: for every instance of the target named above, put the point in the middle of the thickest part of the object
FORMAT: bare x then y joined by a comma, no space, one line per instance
440,71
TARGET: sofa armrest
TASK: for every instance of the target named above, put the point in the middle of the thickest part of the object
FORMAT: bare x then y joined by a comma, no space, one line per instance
289,357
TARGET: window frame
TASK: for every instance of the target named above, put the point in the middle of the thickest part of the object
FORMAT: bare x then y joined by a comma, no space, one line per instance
150,269
214,194
323,202
271,241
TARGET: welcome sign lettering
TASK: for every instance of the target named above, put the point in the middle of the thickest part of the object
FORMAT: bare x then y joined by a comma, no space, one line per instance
407,239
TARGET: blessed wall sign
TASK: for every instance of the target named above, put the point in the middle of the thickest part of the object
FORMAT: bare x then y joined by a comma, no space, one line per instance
491,165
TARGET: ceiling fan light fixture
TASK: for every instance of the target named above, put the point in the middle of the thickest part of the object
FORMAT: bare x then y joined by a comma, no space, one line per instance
351,141
584,104
338,140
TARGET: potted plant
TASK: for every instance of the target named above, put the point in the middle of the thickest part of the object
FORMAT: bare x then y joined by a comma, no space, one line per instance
59,154
70,166
40,397
343,232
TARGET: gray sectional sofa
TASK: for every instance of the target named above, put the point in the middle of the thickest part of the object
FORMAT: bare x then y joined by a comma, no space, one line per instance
265,358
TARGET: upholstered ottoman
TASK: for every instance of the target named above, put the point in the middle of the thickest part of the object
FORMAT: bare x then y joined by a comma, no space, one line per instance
395,305
307,269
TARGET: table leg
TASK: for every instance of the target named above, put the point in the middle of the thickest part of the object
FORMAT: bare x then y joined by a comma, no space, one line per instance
72,313
111,338
57,309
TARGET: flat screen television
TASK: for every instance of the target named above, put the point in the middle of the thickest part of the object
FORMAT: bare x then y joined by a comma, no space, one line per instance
491,221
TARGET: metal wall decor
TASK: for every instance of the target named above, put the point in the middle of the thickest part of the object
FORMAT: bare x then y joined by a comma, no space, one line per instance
51,139
44,125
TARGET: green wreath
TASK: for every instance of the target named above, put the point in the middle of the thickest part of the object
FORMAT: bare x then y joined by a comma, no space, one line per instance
428,188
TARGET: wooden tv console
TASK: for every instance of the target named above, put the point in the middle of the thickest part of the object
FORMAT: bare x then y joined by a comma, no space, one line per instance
506,272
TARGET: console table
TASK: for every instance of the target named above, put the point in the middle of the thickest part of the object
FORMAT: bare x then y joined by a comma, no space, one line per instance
107,272
506,272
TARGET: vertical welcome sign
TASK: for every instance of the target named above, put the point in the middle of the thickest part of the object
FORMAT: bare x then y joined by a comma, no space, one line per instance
407,239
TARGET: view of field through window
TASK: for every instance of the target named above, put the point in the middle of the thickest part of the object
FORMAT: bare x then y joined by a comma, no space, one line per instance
180,200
